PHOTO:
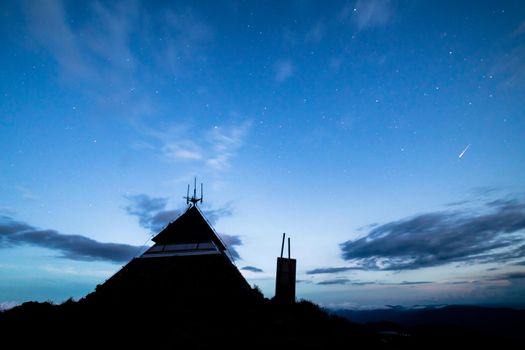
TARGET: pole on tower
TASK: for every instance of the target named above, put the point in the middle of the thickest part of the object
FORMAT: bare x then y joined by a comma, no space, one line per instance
282,245
195,187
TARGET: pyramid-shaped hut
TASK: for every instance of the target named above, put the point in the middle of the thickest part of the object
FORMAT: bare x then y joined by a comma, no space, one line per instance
187,269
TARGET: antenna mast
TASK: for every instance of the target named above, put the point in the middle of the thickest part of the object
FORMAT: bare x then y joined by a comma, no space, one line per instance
193,199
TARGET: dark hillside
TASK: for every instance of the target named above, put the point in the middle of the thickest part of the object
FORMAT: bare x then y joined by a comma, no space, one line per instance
263,323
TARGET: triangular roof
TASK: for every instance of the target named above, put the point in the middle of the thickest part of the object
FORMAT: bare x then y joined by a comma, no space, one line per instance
189,234
190,227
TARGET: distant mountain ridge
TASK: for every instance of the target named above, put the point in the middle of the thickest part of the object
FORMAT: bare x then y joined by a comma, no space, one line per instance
494,322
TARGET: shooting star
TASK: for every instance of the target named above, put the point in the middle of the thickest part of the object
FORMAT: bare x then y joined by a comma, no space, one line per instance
462,153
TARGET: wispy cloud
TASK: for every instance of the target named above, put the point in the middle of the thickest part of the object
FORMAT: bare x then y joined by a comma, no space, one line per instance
366,14
48,27
251,269
212,149
331,270
492,234
26,193
457,203
284,69
520,29
101,52
347,281
105,46
224,143
508,67
186,34
334,282
410,283
97,52
72,271
74,247
183,150
316,33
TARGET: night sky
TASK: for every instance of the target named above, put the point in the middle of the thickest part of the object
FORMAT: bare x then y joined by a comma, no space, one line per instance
386,138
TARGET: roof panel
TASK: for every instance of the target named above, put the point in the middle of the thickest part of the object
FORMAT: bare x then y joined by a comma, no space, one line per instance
190,227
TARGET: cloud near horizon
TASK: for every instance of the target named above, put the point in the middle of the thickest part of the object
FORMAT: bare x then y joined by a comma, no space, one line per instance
510,276
153,216
334,281
346,281
492,234
252,269
323,270
73,247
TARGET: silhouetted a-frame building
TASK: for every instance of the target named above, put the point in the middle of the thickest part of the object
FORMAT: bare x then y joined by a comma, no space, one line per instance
190,234
187,265
184,292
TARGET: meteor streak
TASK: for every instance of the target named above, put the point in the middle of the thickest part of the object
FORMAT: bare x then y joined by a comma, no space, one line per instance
462,153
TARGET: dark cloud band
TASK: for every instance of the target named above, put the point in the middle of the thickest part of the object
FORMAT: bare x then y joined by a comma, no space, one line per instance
433,239
252,269
74,247
324,270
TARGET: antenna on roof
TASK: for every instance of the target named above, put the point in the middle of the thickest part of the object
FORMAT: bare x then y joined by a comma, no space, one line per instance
195,187
193,200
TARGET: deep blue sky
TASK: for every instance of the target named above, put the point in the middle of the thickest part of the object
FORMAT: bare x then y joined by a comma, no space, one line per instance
386,138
